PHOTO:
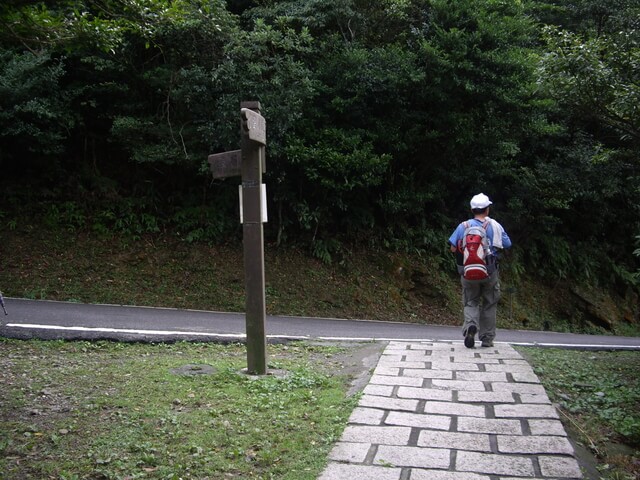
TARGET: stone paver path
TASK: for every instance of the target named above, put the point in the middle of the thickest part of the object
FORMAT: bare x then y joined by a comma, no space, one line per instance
440,411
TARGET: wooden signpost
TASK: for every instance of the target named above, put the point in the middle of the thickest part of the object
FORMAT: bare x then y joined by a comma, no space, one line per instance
249,163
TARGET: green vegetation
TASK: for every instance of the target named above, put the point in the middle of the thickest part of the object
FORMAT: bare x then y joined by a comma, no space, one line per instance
599,396
108,410
383,120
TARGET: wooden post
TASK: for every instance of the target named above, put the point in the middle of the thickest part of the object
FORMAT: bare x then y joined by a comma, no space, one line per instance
252,144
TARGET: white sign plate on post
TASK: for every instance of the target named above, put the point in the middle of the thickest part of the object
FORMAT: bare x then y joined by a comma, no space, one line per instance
263,203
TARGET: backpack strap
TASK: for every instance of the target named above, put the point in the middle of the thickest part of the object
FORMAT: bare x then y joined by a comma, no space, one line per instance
460,245
467,224
485,224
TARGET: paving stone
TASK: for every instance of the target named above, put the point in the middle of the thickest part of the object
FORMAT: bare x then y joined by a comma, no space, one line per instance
460,385
389,352
515,361
471,359
450,408
425,393
381,390
497,358
454,440
401,364
460,346
532,444
442,346
494,464
482,376
344,471
416,355
388,380
440,475
521,478
533,398
559,467
502,353
489,354
438,422
442,365
518,387
412,457
368,416
525,411
504,356
486,397
379,435
443,374
387,403
502,367
546,427
489,425
349,452
386,357
385,370
525,377
504,347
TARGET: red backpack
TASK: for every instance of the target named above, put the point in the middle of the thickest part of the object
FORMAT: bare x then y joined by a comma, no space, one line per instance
475,260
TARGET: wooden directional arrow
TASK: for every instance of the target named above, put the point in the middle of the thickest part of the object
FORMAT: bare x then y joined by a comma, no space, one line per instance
255,125
226,164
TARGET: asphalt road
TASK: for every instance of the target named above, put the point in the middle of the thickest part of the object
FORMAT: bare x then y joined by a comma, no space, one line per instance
63,320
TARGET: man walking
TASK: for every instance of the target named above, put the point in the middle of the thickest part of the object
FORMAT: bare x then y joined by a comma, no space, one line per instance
480,296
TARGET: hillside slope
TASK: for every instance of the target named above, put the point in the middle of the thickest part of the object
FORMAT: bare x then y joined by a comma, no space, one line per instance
161,270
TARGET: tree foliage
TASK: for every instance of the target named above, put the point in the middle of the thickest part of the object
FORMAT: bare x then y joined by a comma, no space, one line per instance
31,118
384,118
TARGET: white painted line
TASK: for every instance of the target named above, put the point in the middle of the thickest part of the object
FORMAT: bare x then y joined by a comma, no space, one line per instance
304,337
121,330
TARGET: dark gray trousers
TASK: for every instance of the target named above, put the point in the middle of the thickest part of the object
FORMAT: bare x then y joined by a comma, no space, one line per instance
480,301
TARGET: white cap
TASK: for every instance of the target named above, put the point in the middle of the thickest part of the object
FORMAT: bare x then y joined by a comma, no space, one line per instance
480,201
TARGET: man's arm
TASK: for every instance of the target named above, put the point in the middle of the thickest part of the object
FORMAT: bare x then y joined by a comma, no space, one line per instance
455,236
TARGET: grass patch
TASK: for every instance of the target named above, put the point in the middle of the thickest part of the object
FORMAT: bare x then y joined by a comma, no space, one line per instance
106,410
598,393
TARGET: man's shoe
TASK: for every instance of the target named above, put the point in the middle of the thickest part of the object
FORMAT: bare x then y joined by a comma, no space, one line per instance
469,338
487,343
